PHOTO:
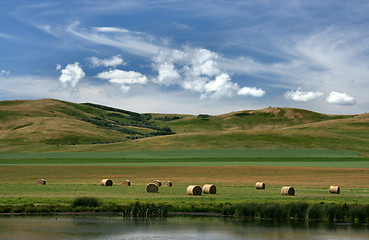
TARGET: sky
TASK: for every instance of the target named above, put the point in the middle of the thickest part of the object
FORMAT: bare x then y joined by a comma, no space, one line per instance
191,57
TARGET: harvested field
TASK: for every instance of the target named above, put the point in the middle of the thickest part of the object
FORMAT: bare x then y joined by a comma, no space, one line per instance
222,176
235,183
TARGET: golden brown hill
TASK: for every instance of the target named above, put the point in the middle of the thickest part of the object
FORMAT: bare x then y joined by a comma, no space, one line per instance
53,125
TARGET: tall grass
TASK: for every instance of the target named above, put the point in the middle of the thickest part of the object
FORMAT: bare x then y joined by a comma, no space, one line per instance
269,211
300,210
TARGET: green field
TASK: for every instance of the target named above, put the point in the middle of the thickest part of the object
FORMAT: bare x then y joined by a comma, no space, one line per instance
193,153
71,178
182,158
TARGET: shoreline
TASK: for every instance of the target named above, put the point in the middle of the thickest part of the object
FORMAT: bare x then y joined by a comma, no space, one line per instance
350,213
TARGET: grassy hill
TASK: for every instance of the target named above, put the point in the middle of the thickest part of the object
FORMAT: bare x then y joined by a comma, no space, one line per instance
53,125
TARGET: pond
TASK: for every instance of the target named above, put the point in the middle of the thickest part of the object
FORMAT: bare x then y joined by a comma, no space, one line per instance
174,227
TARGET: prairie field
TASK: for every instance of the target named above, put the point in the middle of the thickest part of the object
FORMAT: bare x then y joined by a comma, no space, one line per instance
235,179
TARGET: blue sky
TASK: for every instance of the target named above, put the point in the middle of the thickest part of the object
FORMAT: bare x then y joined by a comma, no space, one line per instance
188,56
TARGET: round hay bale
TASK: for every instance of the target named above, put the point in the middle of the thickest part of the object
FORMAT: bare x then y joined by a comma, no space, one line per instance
209,189
157,182
106,182
41,181
288,191
334,189
260,185
194,190
126,183
167,184
152,188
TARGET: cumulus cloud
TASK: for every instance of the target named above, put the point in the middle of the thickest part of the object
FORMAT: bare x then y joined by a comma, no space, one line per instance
251,91
167,74
197,70
112,62
300,96
123,78
338,98
194,69
71,74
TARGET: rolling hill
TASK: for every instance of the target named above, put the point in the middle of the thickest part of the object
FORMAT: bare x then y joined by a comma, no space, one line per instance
54,125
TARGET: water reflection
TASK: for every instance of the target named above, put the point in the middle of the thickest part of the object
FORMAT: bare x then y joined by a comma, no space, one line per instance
114,228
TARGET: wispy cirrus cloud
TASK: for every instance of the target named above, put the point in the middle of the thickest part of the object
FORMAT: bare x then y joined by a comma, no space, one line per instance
211,49
193,69
130,42
111,29
6,36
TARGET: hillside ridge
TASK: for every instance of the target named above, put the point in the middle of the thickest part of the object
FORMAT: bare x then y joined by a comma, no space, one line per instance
55,125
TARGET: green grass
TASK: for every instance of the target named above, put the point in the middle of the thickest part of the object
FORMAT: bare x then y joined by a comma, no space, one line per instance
32,193
69,179
192,162
194,153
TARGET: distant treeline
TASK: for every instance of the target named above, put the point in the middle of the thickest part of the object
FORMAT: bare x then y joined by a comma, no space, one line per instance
139,120
168,118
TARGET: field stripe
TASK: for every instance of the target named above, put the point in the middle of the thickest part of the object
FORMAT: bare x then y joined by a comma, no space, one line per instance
194,153
330,164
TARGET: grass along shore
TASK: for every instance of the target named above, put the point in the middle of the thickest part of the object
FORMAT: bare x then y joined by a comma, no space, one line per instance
357,213
236,193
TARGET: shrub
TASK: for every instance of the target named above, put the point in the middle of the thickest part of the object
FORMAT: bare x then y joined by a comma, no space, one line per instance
203,116
85,202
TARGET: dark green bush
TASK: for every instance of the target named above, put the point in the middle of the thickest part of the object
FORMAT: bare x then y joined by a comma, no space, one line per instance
203,116
85,202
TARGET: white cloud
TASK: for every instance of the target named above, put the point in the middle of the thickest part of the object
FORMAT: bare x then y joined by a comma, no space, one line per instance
325,59
58,67
6,36
111,29
112,62
167,74
338,98
71,74
128,41
253,91
204,62
197,70
4,72
300,96
194,69
123,78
